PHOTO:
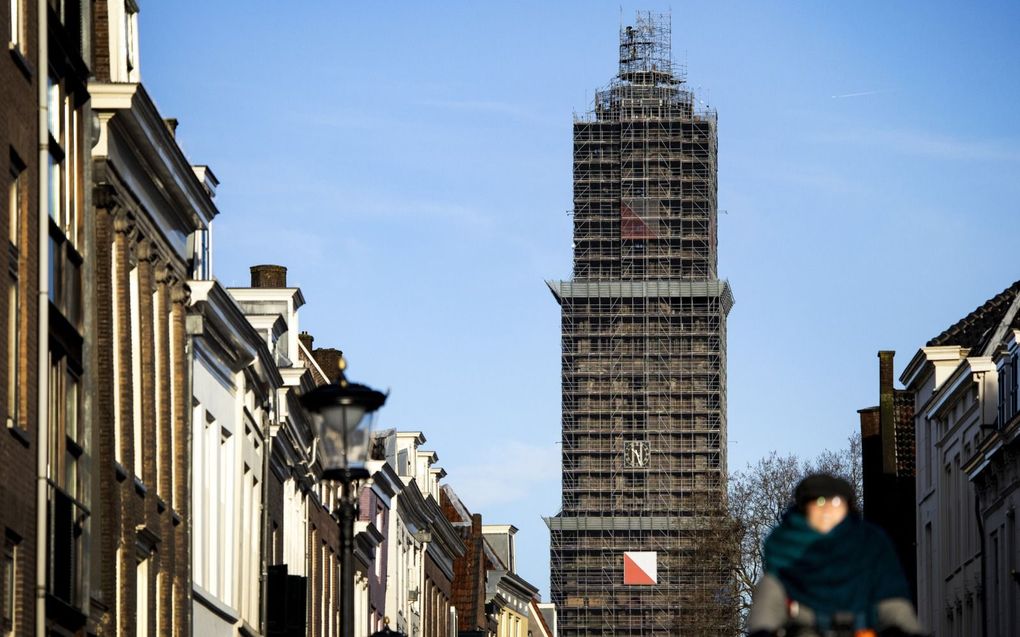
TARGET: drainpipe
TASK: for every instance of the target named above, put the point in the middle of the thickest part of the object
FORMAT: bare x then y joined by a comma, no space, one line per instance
982,396
267,449
984,575
43,330
193,327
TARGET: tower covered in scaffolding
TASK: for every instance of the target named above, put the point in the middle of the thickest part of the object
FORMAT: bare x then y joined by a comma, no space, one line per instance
643,358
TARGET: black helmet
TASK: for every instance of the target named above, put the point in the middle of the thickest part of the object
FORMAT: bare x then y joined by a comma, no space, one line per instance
823,485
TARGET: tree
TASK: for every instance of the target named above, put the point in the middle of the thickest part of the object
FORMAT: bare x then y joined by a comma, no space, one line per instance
711,608
763,491
758,496
845,463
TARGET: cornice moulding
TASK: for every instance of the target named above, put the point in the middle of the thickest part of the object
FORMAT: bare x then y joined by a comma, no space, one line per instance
919,363
155,146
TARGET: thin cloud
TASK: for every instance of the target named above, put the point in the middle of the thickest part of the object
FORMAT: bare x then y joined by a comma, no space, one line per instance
404,208
859,94
487,107
340,200
536,469
238,242
926,144
338,119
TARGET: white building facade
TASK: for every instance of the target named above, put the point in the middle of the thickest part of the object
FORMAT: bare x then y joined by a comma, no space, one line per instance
968,473
272,309
234,388
994,469
421,544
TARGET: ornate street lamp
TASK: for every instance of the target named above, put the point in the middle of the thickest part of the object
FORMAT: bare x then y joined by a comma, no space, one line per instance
342,415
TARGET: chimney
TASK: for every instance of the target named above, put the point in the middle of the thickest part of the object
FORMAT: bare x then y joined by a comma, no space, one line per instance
306,340
328,358
171,125
208,179
887,410
268,276
885,371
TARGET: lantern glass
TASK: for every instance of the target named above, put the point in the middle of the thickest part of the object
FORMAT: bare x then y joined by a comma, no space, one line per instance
343,435
342,415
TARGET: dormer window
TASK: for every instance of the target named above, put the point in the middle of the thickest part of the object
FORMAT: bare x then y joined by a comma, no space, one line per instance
131,35
1008,389
124,41
201,269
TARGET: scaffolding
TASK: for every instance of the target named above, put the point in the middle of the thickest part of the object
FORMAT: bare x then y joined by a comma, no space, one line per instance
644,353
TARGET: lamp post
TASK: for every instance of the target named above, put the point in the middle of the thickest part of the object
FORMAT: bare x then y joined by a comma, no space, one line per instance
341,415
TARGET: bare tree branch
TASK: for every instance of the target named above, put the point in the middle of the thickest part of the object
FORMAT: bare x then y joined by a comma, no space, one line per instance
762,492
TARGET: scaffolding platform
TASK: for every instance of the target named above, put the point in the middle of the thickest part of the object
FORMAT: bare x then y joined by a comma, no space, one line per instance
643,355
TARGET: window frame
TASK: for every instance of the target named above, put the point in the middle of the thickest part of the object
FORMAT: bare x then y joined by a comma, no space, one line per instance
135,319
16,206
67,447
16,13
9,606
1015,382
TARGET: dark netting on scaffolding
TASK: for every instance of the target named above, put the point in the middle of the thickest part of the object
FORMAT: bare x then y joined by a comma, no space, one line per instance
643,357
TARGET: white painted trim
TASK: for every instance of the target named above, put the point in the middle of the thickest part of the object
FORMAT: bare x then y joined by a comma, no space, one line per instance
937,354
966,373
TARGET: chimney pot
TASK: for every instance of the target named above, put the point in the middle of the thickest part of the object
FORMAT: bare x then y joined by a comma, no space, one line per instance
171,125
328,358
306,340
268,276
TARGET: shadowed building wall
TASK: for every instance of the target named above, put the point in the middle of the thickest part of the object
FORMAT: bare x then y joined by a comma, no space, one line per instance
887,456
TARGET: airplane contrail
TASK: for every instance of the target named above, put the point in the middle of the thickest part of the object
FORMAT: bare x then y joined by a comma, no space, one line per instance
858,94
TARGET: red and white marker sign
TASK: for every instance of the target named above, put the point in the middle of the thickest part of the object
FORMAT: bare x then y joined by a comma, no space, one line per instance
639,568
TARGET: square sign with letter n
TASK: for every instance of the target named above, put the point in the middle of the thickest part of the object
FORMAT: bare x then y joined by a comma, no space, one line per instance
639,568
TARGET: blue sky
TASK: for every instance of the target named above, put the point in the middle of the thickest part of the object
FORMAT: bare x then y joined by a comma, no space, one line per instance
410,165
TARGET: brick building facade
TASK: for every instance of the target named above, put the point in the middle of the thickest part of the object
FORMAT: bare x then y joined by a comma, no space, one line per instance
150,204
141,300
121,344
887,459
44,503
19,211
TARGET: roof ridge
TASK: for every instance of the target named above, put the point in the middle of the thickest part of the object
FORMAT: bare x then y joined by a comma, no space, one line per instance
971,330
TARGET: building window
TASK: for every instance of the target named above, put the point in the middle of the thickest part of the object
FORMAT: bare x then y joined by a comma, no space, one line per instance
198,495
13,354
142,594
15,199
65,191
158,373
16,202
17,25
66,445
118,330
201,255
212,505
129,40
72,411
250,543
227,537
1008,390
10,586
1015,384
136,370
996,581
245,551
